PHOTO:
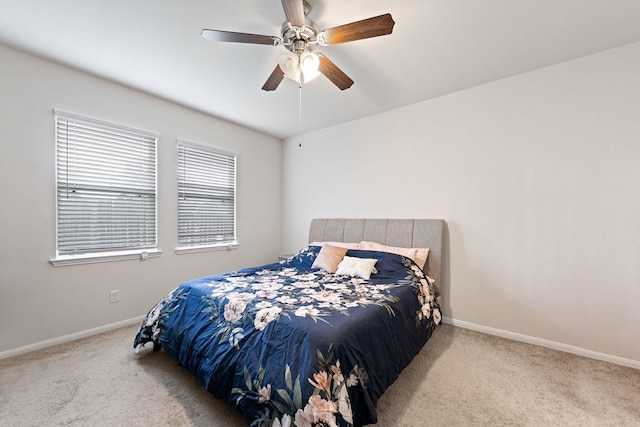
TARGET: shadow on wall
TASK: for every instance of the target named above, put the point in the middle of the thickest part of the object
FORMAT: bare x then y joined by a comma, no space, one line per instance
446,273
489,303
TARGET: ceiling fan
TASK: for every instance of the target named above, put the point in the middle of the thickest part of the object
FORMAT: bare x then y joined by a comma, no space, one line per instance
301,37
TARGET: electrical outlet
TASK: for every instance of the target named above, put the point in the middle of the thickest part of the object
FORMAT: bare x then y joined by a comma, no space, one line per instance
114,296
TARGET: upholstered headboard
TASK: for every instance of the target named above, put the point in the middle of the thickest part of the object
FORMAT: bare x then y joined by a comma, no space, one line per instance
407,233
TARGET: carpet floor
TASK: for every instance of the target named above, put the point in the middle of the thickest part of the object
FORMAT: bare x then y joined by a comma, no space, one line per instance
460,378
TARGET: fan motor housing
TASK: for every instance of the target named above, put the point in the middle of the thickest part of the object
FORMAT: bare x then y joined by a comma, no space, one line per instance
304,38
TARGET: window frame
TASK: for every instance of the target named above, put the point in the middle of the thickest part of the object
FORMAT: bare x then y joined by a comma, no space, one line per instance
181,248
143,251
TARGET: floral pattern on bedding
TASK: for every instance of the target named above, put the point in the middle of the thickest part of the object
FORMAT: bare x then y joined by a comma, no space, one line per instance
285,407
240,303
285,343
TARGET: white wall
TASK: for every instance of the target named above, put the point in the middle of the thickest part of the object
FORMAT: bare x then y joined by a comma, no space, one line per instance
537,176
40,302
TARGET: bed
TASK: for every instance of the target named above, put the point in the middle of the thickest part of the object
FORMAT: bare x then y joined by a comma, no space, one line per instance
314,339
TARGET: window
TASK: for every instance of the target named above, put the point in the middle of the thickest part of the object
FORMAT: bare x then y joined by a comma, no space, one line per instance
206,197
106,189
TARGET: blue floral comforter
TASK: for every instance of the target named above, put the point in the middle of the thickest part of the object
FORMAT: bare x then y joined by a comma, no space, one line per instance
289,345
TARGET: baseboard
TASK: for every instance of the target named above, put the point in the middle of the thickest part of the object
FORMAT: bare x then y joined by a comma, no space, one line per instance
459,323
71,337
544,343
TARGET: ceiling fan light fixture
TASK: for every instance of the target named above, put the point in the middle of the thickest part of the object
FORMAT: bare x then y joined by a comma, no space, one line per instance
301,37
309,63
300,69
288,63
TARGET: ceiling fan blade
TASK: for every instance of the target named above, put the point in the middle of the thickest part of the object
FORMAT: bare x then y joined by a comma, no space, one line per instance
333,73
294,11
367,28
274,79
230,36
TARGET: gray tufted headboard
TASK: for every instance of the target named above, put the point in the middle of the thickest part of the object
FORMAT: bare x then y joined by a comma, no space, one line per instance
407,233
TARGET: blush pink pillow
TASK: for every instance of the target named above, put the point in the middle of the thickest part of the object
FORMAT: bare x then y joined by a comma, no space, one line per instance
418,255
329,257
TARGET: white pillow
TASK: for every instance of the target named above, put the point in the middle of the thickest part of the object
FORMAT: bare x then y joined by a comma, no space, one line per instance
357,267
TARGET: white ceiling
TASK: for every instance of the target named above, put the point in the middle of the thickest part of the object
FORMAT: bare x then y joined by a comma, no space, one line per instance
437,47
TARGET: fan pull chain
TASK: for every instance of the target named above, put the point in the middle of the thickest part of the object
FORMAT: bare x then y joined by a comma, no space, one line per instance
300,108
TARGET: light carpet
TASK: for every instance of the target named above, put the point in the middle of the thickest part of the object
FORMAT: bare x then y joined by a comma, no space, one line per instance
460,378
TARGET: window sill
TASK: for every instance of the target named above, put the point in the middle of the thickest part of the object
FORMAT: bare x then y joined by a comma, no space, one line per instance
195,249
66,260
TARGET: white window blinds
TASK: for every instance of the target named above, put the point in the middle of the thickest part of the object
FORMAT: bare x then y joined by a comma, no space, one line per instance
106,187
206,196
